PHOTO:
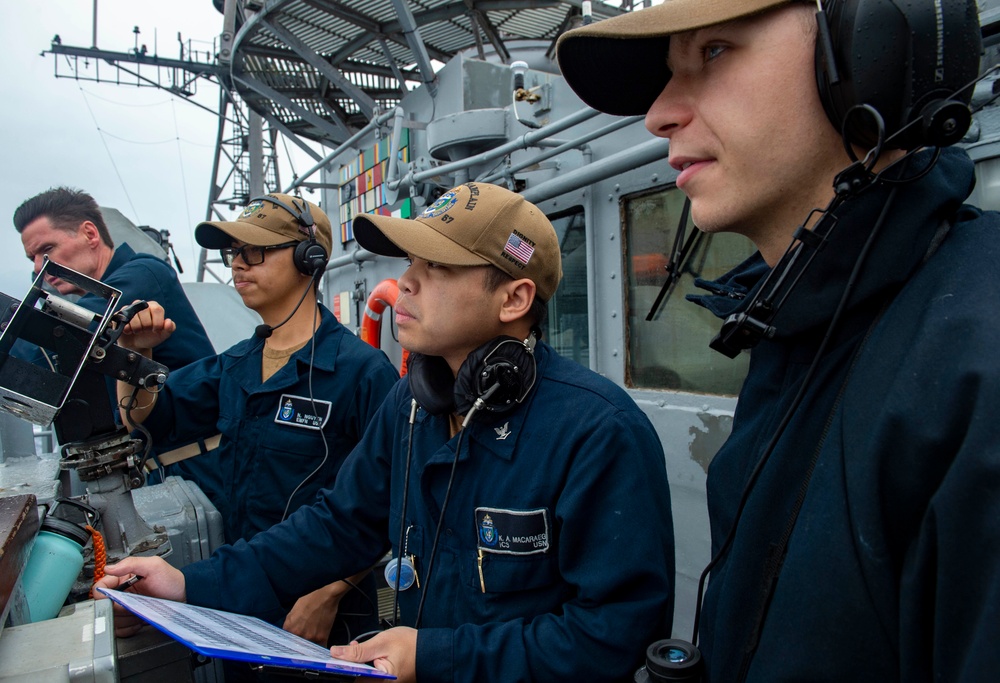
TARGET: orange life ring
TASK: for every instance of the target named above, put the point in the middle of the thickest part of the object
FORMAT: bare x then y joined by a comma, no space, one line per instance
383,296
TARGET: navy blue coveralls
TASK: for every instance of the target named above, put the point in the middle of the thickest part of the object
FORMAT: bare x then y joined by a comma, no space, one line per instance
269,444
569,578
264,455
892,570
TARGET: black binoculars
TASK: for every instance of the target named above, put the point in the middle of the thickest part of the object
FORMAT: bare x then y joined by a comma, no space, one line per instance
671,661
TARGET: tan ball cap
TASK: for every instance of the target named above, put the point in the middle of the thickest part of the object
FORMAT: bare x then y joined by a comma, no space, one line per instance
619,66
264,224
473,225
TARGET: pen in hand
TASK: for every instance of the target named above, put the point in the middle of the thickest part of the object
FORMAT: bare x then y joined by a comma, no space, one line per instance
127,583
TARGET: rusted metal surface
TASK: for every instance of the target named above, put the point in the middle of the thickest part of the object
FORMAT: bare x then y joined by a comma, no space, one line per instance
18,526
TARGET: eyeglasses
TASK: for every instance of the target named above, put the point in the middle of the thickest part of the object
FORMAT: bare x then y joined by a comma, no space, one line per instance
251,255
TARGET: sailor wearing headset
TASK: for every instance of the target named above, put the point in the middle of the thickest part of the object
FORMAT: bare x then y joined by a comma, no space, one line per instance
290,402
854,507
528,494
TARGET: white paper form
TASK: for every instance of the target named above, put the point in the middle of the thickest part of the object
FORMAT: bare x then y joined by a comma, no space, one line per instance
236,636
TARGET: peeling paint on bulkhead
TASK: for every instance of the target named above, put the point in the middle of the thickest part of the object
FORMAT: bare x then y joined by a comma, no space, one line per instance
708,439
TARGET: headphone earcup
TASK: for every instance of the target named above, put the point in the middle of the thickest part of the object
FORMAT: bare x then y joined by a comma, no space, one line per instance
873,70
431,383
902,59
310,257
503,361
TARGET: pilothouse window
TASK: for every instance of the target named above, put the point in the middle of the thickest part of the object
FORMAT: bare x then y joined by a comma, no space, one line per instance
671,351
567,328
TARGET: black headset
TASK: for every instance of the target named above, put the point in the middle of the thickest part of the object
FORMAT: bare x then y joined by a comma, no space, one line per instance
913,61
310,256
496,377
310,259
500,373
891,75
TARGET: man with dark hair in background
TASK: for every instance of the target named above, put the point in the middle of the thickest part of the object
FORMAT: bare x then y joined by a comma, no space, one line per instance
66,225
854,507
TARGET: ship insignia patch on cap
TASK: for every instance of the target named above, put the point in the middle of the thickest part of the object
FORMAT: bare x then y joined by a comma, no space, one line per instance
252,208
444,202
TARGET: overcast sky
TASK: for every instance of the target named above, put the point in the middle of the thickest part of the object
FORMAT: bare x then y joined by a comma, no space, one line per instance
140,150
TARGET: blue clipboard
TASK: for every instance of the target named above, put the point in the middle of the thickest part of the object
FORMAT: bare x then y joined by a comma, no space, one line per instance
237,637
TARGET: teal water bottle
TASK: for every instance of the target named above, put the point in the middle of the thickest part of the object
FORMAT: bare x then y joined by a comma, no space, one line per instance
53,566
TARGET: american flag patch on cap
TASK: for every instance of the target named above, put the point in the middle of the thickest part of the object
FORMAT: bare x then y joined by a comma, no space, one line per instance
519,249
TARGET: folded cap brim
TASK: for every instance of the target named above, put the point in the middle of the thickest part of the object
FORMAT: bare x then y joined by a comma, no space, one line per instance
619,66
220,234
401,237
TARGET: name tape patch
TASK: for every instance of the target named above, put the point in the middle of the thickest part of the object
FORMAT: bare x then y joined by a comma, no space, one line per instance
512,532
301,411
